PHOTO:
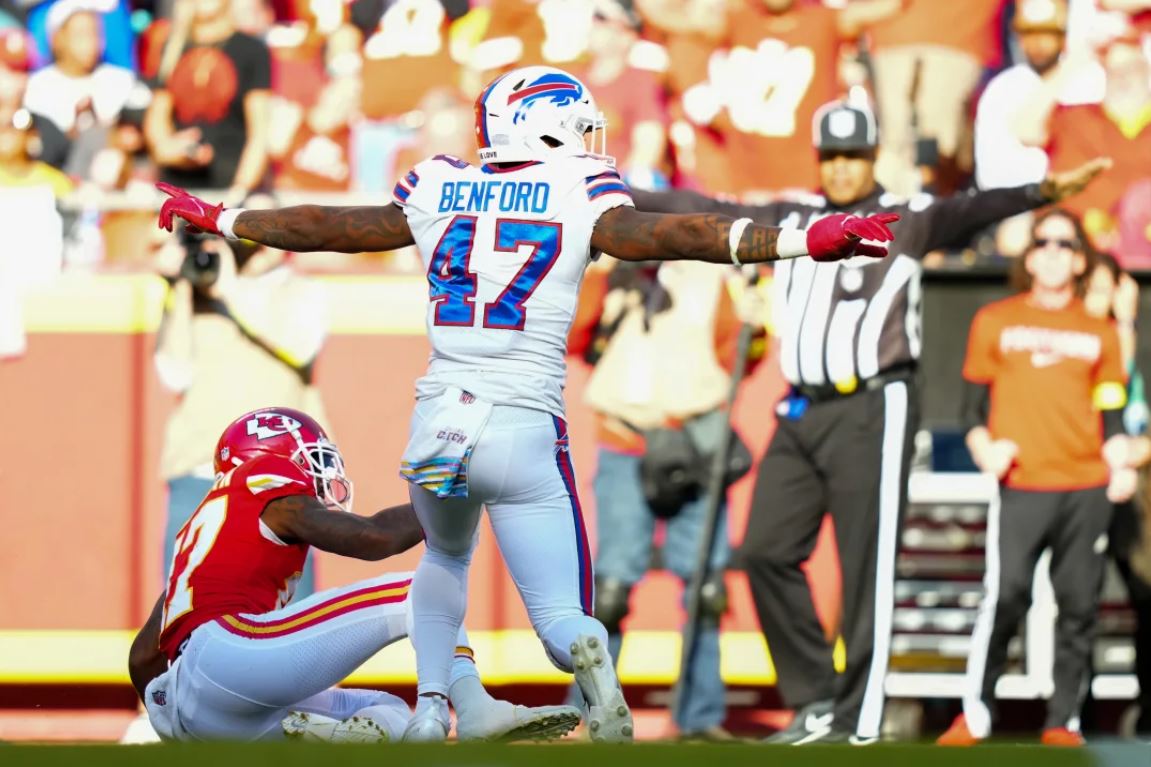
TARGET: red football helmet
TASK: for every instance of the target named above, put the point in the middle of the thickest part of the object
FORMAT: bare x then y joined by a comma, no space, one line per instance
291,434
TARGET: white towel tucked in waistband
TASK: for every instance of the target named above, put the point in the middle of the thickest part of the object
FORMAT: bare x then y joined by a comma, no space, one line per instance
437,454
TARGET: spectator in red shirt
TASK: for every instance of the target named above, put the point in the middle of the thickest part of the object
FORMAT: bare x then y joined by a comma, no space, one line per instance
689,31
1134,219
1120,127
15,61
630,97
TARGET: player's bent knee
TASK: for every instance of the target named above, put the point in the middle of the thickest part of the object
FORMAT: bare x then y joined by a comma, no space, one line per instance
612,598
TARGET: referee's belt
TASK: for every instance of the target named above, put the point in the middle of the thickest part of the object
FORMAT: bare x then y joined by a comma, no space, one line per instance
828,392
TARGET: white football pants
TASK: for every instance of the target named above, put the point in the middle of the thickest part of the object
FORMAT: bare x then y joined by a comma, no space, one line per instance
521,470
238,676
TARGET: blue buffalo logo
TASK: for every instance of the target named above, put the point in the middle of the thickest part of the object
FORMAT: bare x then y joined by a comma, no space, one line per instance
559,89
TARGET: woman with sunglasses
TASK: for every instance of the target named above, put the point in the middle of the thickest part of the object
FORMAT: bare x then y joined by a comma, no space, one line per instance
1045,387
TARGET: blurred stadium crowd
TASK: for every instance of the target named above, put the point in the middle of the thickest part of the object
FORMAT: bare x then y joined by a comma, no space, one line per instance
99,98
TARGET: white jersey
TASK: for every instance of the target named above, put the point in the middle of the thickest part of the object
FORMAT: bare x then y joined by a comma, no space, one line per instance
505,253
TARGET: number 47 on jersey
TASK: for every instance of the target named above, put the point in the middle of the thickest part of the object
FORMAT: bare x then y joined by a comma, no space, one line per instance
453,285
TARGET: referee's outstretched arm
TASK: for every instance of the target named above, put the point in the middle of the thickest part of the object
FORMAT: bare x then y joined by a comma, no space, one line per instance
686,201
951,221
928,223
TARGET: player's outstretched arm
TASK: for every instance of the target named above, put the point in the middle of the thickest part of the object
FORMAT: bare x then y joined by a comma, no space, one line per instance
145,661
304,519
301,228
630,235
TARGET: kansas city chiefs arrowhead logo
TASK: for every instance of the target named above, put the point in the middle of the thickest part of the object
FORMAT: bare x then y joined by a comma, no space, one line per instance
268,425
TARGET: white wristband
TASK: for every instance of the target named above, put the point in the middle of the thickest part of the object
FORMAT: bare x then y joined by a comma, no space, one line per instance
791,243
227,220
734,237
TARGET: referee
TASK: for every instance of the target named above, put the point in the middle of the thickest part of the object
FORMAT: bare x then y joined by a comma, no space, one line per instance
849,344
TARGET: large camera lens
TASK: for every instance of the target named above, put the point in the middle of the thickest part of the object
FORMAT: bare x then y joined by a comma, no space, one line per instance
200,267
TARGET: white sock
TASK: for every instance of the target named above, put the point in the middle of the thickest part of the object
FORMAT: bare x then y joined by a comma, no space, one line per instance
439,601
424,702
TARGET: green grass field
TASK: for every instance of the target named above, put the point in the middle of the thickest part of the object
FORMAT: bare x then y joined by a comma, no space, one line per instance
568,755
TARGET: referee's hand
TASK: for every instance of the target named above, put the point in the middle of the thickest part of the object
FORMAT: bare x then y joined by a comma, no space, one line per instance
1059,186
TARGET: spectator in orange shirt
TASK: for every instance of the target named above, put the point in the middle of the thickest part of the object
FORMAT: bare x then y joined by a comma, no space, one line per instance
929,56
1045,390
315,153
762,91
1120,126
405,57
530,32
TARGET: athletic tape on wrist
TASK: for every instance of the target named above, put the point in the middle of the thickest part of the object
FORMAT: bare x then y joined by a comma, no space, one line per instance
791,243
227,220
734,237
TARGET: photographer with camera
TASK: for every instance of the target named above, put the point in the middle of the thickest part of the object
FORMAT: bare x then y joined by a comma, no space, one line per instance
662,339
241,330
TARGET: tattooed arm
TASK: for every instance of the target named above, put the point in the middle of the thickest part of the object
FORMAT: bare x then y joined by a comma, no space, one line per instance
303,519
359,229
629,235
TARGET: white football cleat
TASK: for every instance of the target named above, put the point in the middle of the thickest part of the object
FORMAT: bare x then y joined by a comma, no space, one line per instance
317,728
609,719
430,724
507,722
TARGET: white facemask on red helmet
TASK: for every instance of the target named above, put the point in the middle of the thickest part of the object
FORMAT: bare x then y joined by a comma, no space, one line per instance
290,434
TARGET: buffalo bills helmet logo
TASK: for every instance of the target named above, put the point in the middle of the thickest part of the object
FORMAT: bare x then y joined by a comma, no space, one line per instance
556,87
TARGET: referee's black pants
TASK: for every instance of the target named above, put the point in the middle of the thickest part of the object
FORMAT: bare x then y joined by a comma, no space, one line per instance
848,457
1073,523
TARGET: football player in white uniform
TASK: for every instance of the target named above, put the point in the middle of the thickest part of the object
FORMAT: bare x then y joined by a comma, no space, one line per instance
506,244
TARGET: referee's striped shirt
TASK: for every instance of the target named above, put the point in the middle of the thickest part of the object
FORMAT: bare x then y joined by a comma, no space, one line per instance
847,321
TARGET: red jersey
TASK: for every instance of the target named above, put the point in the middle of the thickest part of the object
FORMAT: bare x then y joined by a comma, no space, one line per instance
227,560
1086,131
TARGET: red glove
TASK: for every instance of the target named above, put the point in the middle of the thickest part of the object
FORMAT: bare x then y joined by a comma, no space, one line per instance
200,215
840,236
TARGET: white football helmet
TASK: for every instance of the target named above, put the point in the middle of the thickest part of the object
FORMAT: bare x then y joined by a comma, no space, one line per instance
535,113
